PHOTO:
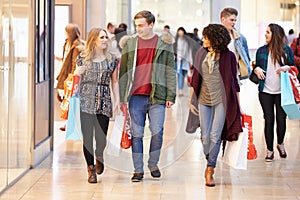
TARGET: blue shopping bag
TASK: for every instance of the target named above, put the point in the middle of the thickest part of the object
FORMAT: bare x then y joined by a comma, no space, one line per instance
288,102
73,130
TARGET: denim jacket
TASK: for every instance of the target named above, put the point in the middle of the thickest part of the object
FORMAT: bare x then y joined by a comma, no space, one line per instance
241,46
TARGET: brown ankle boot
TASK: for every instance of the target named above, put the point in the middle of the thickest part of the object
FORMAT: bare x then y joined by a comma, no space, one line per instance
209,172
205,173
99,167
92,178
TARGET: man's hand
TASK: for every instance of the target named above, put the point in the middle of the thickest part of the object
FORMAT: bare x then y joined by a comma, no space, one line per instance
123,107
169,104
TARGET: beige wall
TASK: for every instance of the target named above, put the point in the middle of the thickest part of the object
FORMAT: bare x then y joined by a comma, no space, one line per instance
255,15
78,13
96,15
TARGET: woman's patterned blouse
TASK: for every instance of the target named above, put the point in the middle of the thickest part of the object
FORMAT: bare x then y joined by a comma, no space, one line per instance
94,91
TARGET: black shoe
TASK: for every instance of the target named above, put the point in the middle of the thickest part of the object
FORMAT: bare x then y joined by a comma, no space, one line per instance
99,167
270,156
137,177
281,150
155,173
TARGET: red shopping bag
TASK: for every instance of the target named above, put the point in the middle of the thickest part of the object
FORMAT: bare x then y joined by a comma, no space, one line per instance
64,106
126,133
293,73
189,76
75,84
247,123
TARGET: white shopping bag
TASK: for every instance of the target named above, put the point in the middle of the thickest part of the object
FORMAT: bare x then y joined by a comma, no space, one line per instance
235,154
114,144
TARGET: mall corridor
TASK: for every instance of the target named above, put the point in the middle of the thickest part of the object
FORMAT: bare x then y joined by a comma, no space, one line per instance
63,174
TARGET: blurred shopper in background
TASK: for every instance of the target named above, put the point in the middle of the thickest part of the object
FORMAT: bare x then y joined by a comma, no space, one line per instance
296,49
183,56
72,48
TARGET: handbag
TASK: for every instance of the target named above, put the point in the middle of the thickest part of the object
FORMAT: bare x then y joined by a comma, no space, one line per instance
253,77
243,69
126,133
113,146
288,103
193,122
235,154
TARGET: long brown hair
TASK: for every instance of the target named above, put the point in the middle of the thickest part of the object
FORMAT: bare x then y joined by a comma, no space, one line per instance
73,32
277,44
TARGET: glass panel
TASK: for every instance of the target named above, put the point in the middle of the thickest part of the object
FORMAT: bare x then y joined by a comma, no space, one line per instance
47,45
4,74
19,84
41,40
189,13
61,20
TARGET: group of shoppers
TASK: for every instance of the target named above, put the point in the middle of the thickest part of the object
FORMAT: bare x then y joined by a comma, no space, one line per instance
146,85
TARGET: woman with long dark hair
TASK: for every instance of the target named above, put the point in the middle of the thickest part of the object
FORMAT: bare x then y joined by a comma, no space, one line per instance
272,58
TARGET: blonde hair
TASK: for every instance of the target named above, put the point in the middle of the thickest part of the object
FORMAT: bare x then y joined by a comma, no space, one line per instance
89,51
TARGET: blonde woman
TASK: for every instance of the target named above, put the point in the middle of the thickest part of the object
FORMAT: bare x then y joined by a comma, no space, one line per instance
97,68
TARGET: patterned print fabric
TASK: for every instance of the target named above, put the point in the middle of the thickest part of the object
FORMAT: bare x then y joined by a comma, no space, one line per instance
95,97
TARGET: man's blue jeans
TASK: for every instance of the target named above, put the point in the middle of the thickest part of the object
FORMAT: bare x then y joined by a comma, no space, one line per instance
212,119
139,107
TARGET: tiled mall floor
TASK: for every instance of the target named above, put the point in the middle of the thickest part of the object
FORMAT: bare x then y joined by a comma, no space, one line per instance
63,174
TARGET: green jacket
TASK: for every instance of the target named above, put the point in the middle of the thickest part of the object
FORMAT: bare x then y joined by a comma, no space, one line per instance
163,70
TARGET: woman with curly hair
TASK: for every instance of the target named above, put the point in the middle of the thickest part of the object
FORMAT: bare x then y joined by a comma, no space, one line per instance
214,88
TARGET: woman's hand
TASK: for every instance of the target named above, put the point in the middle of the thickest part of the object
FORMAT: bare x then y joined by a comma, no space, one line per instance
193,109
284,68
261,74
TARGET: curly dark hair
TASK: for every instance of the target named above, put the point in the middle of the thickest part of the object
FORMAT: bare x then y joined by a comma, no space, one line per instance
218,36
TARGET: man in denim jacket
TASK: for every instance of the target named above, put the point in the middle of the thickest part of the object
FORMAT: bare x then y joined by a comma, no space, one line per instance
238,44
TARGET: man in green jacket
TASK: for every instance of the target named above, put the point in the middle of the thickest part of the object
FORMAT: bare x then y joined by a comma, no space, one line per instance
147,81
